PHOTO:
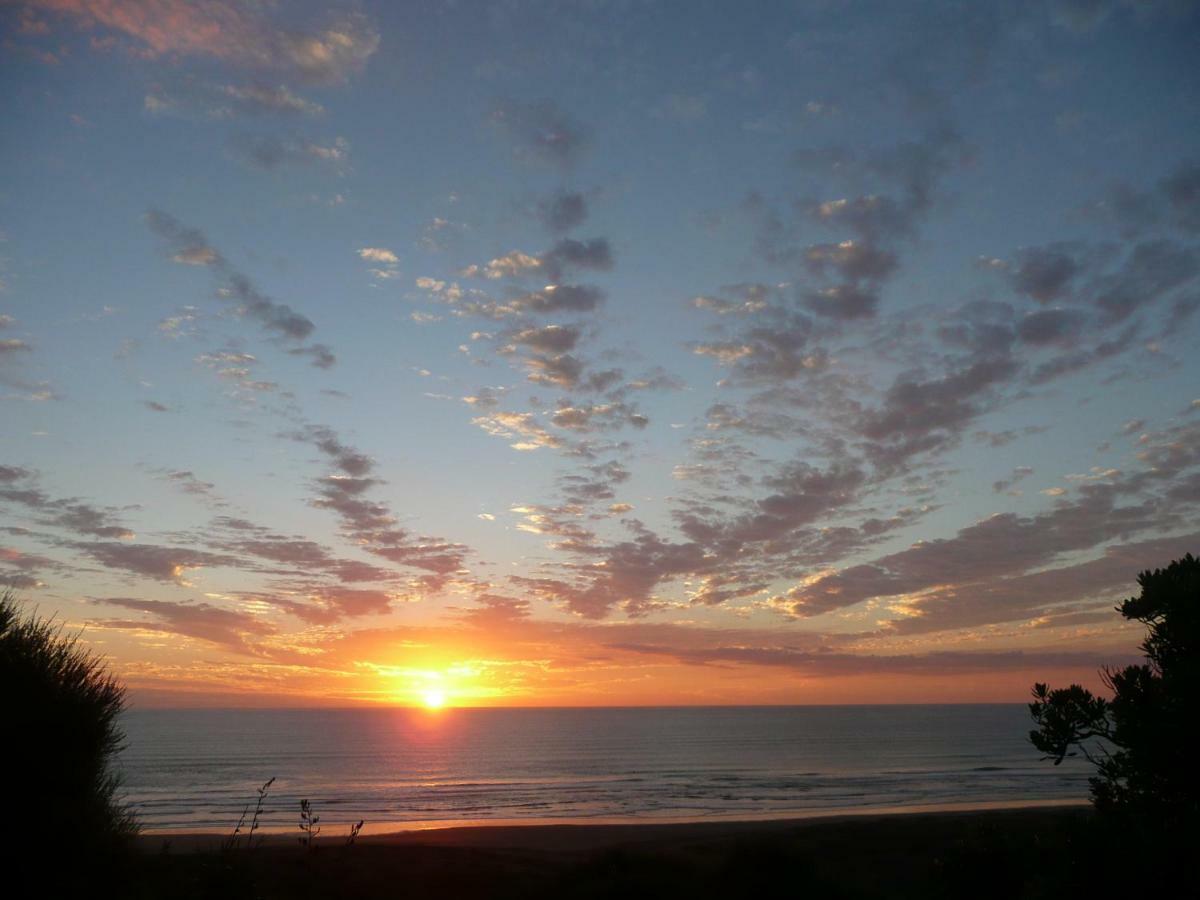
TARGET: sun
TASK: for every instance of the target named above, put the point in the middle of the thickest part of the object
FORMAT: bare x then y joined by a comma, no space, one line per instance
434,698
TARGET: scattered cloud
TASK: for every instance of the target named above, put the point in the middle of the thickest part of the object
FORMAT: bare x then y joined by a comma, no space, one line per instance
562,211
265,151
227,101
189,246
540,131
235,32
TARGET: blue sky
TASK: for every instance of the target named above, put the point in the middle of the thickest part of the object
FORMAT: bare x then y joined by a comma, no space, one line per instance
612,352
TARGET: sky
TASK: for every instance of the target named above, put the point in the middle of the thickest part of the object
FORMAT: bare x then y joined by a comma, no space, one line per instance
604,353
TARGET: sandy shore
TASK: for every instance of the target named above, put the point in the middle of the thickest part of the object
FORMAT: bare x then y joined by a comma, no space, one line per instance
572,836
1021,850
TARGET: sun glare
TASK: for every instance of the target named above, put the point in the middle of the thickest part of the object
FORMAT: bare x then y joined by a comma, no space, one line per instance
434,698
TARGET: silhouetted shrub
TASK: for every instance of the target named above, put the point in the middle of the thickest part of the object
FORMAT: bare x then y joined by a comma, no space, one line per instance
59,716
309,829
235,839
1138,739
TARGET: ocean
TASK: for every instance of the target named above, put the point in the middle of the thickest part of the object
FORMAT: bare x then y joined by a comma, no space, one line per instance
409,768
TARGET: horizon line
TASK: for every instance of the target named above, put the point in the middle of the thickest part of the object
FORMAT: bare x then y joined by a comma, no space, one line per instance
626,706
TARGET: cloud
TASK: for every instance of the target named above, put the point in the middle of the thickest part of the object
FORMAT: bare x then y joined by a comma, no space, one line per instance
1152,270
227,101
540,131
237,368
731,557
13,354
496,611
188,245
12,346
726,417
850,260
910,170
228,628
319,355
512,265
549,360
1181,189
624,573
442,234
378,254
522,428
1051,326
592,417
187,482
1043,595
17,487
371,524
562,211
923,415
597,485
553,299
548,338
154,561
843,301
742,299
387,264
779,349
566,255
560,298
561,370
273,152
21,570
1172,203
800,494
325,605
839,282
570,254
1005,485
1108,285
185,244
1003,546
484,398
83,518
9,474
234,32
827,664
298,555
1067,363
355,601
1046,274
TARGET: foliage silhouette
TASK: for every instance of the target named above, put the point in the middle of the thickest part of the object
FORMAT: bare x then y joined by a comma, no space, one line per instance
1137,740
235,838
60,711
309,827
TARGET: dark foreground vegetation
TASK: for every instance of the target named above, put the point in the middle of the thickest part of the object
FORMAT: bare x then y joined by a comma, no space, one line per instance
1001,854
1137,740
59,740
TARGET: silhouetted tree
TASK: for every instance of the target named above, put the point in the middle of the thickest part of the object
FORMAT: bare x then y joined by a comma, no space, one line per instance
1138,740
59,715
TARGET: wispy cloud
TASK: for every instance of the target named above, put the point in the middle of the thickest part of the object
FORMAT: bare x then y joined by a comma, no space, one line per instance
238,33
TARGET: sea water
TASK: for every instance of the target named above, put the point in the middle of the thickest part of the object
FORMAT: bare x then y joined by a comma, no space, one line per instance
396,768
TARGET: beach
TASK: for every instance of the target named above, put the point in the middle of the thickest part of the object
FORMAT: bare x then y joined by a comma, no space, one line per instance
576,835
922,854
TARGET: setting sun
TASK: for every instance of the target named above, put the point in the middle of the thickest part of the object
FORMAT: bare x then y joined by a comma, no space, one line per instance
434,698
